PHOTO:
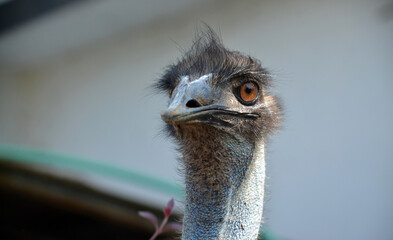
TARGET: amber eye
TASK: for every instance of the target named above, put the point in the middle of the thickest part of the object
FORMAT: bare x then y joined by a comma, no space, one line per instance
248,92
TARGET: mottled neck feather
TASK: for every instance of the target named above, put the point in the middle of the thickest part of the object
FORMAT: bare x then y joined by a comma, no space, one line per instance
224,185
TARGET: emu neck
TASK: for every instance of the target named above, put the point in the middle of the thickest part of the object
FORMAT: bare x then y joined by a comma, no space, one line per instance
224,187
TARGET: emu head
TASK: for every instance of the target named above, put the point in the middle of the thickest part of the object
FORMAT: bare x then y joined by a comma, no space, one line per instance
217,87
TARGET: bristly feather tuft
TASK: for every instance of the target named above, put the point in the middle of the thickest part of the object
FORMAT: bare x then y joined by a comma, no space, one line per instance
208,55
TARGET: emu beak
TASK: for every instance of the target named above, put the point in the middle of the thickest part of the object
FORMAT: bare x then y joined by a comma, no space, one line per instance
189,100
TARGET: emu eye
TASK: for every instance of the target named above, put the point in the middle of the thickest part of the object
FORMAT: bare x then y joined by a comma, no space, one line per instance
248,93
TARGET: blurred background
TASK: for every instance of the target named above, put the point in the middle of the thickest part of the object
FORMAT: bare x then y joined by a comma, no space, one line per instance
75,81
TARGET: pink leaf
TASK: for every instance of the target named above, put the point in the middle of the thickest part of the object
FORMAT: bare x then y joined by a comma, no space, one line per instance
169,207
150,216
172,227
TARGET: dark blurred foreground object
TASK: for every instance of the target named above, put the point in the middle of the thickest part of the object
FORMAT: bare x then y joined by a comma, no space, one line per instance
38,205
16,12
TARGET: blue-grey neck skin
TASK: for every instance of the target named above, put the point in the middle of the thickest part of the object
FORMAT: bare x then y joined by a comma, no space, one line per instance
231,206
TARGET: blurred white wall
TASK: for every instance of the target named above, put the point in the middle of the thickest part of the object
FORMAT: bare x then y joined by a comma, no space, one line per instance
330,168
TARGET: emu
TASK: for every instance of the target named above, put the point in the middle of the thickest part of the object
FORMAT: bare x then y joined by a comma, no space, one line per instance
221,114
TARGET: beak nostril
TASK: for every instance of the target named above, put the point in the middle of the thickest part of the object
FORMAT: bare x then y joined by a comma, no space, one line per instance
193,104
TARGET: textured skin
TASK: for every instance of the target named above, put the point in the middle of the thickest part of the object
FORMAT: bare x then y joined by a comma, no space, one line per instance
224,185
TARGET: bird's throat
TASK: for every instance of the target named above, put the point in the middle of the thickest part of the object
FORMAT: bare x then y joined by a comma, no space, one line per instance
224,186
